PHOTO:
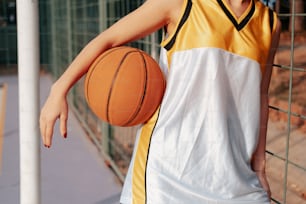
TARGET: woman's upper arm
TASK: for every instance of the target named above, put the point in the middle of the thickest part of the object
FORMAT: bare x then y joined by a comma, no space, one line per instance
149,17
269,65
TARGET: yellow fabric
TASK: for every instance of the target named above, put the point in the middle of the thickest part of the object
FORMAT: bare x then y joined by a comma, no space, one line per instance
212,28
139,194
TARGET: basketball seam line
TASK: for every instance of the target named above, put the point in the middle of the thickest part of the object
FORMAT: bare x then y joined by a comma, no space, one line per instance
93,69
144,91
113,82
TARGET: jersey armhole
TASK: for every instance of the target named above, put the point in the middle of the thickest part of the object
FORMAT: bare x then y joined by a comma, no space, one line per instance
169,40
272,19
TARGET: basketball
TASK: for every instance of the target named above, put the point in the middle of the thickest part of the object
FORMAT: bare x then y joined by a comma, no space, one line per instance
124,86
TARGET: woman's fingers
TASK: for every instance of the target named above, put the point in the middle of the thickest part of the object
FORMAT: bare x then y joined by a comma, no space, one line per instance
46,129
63,123
54,108
264,182
48,135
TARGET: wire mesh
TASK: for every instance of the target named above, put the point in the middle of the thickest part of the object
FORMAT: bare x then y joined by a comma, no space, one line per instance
66,27
75,23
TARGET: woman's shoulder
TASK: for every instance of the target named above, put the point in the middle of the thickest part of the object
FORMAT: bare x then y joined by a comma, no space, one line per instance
170,9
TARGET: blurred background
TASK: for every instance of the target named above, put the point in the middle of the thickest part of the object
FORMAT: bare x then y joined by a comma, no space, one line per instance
66,26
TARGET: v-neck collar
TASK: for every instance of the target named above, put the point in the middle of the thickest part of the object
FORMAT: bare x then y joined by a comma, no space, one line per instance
240,22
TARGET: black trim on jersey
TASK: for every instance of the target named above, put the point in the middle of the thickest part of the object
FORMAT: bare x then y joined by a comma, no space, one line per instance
271,17
232,18
146,192
169,45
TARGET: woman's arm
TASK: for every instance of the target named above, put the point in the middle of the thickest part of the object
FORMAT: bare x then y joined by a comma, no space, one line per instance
258,160
149,17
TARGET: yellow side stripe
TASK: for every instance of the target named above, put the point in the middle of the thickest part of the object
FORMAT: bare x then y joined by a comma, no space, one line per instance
140,161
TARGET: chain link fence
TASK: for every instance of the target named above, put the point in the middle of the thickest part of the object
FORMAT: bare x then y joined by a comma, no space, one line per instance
67,26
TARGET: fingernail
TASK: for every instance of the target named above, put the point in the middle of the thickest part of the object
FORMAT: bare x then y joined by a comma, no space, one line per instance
65,135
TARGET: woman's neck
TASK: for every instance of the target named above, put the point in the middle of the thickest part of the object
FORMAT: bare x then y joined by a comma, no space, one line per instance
238,6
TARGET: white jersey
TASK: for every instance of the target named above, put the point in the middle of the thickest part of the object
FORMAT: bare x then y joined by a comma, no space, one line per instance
197,148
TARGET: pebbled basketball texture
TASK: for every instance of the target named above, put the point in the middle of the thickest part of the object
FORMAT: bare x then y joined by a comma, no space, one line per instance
124,86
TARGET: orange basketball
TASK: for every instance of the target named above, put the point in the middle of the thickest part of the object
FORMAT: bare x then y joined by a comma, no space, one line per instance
124,86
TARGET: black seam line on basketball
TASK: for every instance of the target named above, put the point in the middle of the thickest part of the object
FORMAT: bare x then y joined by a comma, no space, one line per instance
146,166
232,18
97,62
170,44
144,91
113,82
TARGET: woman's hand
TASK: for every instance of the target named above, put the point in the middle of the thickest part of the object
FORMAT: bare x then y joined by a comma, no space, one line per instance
264,182
259,167
55,107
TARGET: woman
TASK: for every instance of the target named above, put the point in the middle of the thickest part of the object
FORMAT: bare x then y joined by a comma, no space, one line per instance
206,143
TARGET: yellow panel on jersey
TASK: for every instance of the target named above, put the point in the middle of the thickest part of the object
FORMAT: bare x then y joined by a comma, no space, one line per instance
213,24
140,162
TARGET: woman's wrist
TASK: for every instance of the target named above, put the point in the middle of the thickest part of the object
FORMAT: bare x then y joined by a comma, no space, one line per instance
58,89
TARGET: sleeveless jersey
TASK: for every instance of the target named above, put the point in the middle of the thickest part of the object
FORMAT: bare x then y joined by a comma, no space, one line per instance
197,148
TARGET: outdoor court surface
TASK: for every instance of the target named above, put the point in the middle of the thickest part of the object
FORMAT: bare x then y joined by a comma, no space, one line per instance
71,171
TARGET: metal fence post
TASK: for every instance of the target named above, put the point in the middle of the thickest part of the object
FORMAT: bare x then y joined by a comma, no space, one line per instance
28,77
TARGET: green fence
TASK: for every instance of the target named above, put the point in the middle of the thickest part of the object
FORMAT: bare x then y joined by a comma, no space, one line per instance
8,34
287,129
66,26
73,24
8,38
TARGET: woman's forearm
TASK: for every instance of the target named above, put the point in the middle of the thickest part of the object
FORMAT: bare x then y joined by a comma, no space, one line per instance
79,66
258,162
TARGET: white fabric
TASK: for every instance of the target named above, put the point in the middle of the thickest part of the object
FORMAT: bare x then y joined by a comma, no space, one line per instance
206,132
